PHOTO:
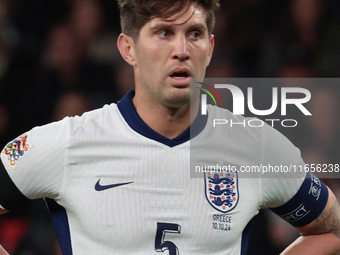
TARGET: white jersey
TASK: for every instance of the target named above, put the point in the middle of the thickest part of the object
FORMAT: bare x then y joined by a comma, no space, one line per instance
124,189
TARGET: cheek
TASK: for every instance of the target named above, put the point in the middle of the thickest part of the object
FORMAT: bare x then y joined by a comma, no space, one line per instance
148,67
151,60
202,60
144,59
202,51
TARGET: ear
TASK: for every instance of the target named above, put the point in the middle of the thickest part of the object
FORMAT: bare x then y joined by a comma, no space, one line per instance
126,47
211,48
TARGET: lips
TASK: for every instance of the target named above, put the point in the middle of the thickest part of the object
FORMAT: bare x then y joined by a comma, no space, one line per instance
180,73
180,77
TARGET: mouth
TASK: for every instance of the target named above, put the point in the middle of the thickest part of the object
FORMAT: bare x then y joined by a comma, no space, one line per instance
180,77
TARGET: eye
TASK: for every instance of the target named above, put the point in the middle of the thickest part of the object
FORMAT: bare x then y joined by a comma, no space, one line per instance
195,35
164,34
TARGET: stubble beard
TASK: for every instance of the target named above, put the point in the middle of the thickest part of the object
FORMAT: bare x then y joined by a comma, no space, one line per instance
179,97
167,95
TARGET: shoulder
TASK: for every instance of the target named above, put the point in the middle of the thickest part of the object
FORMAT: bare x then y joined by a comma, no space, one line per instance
222,122
252,137
59,132
102,118
220,118
110,111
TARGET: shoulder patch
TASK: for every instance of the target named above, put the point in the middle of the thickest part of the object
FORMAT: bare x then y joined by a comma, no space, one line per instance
16,149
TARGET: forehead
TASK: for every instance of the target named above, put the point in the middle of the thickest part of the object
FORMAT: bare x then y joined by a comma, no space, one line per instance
190,15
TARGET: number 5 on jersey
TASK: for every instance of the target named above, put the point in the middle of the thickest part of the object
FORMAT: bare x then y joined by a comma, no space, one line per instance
160,245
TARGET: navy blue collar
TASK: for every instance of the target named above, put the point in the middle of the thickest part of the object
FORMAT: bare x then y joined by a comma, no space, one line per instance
129,113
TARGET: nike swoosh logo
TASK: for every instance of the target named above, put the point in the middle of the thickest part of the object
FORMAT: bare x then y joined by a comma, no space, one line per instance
99,187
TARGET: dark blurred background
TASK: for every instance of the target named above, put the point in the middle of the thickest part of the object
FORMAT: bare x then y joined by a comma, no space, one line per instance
59,58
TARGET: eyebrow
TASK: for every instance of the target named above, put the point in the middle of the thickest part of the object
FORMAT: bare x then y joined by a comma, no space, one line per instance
163,26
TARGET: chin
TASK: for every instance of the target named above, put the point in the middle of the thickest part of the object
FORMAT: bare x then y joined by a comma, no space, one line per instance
178,100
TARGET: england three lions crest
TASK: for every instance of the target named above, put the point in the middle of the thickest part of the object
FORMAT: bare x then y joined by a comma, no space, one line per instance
221,190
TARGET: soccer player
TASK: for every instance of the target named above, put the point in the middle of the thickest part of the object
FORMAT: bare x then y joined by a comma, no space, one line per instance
117,179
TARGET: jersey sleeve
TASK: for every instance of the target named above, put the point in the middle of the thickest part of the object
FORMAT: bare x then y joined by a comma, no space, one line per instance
295,195
32,165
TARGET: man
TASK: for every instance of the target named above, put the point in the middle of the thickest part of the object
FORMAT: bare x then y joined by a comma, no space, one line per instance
117,179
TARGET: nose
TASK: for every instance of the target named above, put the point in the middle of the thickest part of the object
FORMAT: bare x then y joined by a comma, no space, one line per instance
181,49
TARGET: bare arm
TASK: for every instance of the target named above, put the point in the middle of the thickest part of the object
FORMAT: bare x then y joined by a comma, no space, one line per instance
2,251
322,236
2,211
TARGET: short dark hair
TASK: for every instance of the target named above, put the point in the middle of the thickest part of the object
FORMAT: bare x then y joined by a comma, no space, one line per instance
134,14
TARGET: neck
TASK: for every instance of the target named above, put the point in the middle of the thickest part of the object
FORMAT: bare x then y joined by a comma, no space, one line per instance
167,121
